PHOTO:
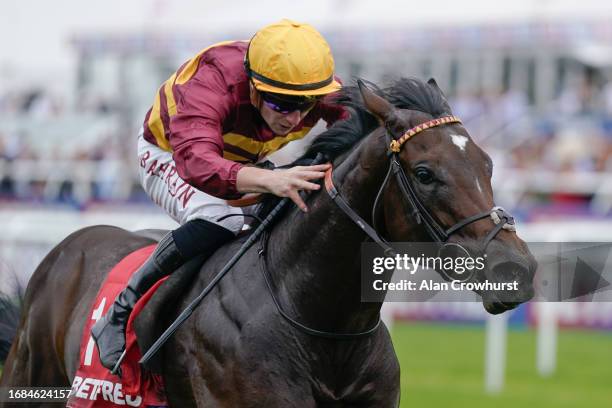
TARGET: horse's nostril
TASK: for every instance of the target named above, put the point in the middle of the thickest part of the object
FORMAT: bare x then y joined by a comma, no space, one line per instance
517,276
508,271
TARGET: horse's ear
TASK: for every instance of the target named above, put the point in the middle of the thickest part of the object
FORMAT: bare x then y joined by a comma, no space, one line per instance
432,82
376,105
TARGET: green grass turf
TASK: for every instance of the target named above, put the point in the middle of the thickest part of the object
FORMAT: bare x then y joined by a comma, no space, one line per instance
443,366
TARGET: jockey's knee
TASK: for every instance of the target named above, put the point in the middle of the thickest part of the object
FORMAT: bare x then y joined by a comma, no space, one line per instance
201,237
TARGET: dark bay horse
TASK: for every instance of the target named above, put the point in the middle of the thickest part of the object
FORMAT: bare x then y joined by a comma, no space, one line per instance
236,350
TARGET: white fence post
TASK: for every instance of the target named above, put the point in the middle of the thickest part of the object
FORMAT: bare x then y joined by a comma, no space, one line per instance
495,352
546,354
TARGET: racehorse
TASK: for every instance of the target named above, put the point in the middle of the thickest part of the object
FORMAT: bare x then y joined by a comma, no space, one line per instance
326,348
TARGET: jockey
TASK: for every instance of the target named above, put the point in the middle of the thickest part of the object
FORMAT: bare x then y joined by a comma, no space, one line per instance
225,109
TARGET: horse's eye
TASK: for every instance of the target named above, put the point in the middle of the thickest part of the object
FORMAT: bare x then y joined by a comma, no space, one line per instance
424,175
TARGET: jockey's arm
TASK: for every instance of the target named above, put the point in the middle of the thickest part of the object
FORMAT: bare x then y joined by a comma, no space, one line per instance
201,164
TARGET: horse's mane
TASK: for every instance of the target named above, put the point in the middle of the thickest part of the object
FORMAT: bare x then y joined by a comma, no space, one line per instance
404,93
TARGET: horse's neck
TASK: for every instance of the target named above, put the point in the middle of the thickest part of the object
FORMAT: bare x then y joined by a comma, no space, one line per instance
315,258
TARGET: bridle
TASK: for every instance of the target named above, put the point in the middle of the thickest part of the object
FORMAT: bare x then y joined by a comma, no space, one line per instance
501,218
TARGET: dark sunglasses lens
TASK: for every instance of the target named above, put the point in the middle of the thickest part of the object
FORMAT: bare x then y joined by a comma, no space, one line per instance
277,108
283,106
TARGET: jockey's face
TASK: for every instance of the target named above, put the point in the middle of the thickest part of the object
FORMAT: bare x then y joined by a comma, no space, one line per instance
279,122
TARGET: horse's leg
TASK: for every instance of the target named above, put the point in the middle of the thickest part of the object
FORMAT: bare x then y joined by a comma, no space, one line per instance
377,377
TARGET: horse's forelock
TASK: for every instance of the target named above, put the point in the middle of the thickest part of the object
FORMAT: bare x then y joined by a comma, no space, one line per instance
414,94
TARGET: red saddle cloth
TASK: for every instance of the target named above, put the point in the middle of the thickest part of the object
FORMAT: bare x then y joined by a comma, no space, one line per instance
94,385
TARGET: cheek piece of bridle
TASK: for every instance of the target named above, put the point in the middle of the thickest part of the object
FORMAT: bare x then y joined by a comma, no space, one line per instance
501,218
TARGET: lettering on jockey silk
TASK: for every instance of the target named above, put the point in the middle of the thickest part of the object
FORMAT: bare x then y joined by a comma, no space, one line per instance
92,388
167,172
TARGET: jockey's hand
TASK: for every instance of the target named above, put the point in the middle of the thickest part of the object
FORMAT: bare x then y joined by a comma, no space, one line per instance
282,183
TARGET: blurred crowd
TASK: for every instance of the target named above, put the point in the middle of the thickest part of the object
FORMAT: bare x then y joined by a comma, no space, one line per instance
573,134
51,154
553,160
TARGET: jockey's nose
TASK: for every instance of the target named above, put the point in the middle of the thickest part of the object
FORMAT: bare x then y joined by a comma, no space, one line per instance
294,117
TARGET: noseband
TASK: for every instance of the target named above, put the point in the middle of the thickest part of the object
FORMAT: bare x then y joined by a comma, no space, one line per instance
501,218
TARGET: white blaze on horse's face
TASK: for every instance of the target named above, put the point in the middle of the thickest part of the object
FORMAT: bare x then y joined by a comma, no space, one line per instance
459,141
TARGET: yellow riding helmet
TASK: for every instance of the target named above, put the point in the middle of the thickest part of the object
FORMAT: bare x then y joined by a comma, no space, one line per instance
291,58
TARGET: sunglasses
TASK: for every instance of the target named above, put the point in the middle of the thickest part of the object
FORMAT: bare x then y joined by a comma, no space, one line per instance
285,107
